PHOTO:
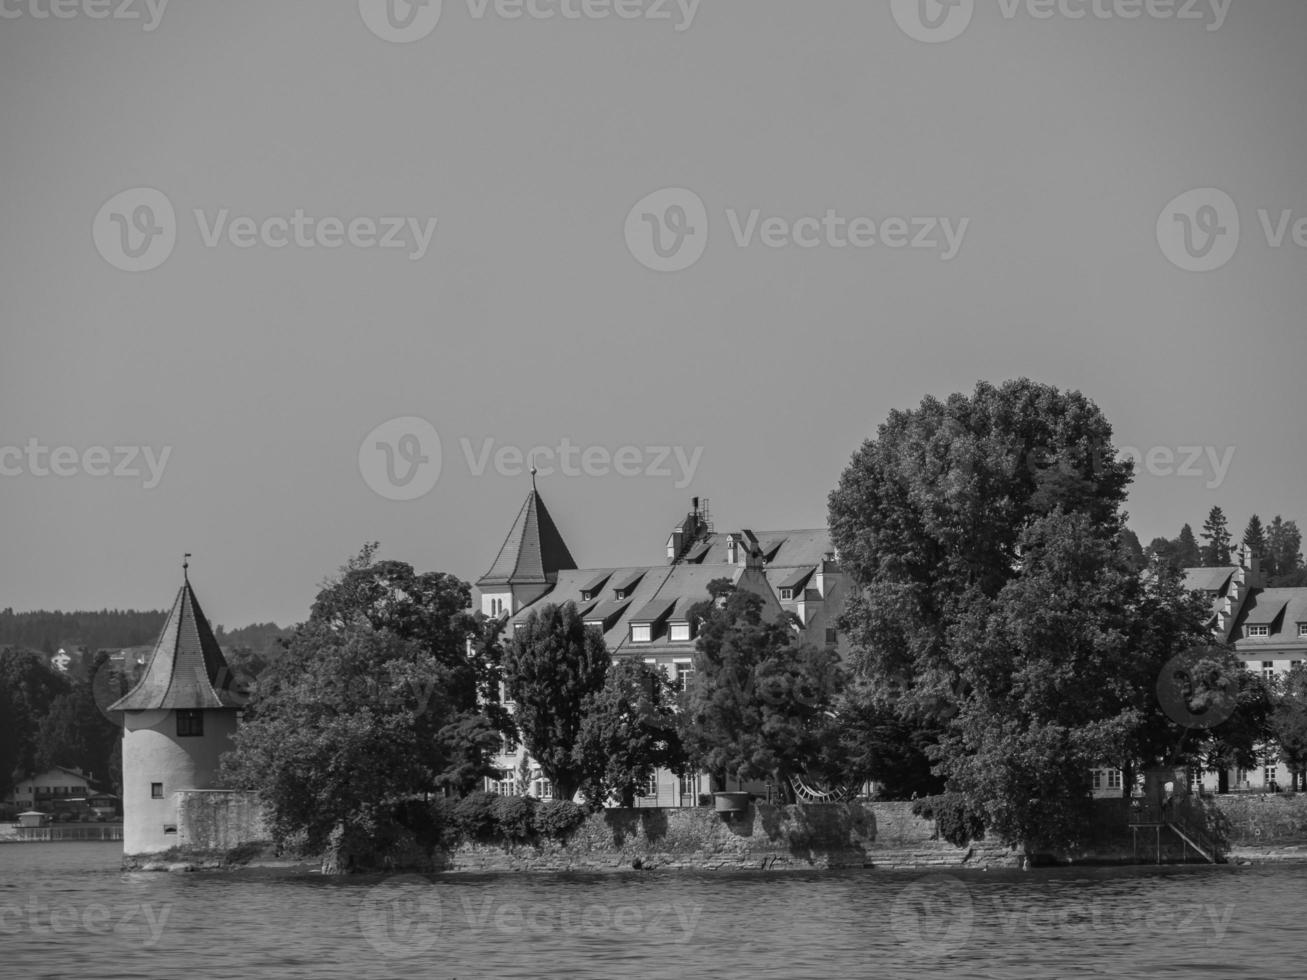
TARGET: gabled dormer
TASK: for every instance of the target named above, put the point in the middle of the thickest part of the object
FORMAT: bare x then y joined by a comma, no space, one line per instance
625,586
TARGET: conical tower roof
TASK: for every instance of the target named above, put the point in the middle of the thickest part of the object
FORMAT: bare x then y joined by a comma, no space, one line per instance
186,669
534,552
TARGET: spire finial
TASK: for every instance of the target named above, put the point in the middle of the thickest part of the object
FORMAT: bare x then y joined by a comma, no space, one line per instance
186,564
534,471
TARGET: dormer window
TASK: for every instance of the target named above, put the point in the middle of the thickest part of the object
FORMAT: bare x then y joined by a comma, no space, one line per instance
591,589
647,623
1302,630
787,595
679,632
1257,631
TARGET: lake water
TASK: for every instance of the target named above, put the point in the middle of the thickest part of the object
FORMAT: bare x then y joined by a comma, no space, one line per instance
66,910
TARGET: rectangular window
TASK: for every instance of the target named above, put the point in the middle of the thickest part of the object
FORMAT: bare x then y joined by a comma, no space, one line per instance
641,633
1098,779
687,788
1258,631
189,723
683,673
680,632
509,746
1302,629
156,791
832,637
651,787
787,595
1114,779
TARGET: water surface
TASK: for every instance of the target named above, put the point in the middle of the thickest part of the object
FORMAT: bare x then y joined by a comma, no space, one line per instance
66,910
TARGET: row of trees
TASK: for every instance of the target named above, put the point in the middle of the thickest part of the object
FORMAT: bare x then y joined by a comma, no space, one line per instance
394,690
1005,644
52,719
1278,545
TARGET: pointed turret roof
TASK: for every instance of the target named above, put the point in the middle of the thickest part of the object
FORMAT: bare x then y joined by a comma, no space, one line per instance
534,552
186,669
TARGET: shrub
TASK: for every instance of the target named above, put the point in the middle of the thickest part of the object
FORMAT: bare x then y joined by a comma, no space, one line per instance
558,818
473,816
444,830
955,820
513,816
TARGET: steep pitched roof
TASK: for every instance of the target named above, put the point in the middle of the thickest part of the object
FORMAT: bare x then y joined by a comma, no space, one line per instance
533,553
186,668
1209,579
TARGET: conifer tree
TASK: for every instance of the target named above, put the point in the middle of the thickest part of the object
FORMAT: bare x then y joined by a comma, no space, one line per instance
1216,539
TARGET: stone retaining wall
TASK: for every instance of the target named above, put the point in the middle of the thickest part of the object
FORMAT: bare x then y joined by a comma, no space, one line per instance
766,837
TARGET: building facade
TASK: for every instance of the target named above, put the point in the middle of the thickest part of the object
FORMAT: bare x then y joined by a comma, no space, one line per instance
643,610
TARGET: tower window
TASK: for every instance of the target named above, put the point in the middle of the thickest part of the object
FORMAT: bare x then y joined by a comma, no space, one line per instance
156,791
190,723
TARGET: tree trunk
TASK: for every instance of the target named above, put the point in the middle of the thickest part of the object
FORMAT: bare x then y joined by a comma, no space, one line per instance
1223,780
628,797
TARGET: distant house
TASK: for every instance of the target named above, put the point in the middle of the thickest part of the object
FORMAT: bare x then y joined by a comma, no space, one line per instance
61,661
38,791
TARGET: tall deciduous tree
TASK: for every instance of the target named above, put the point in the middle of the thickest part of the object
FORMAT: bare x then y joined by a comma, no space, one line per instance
1289,725
994,610
760,702
553,666
628,732
376,697
352,720
1216,539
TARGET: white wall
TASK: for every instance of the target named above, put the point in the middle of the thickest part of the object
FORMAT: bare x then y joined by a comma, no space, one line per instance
153,753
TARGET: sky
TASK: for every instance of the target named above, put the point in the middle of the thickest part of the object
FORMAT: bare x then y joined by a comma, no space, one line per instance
279,279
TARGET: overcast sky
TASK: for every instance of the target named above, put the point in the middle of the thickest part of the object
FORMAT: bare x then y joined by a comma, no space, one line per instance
1032,160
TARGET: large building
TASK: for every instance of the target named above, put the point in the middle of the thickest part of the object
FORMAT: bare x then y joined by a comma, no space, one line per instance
1268,628
644,610
177,721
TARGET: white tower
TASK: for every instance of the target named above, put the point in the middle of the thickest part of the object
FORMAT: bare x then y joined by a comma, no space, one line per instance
177,721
